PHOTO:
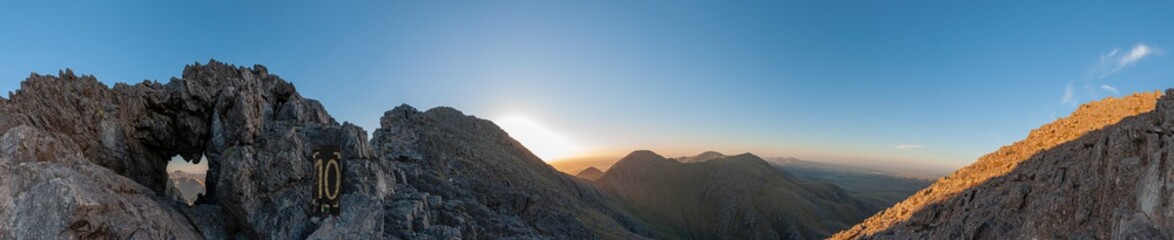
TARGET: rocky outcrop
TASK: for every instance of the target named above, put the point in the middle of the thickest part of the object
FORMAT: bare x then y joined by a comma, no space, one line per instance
734,197
50,190
82,160
460,176
591,173
253,127
1103,172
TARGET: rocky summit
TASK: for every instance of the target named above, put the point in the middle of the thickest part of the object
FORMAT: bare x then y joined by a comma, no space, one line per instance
463,177
1103,172
83,160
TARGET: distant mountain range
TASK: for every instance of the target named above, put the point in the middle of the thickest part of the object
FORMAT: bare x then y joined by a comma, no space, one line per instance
86,161
186,185
876,187
703,156
591,173
713,196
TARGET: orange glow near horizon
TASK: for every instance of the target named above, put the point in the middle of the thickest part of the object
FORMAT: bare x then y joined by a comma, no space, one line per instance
548,144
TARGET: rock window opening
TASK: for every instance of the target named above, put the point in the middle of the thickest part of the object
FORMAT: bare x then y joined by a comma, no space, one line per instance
186,179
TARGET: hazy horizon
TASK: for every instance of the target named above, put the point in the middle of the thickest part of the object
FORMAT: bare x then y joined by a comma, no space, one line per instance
178,164
919,84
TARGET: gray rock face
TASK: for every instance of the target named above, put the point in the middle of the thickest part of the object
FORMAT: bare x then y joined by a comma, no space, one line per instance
254,128
463,177
52,191
1102,173
82,160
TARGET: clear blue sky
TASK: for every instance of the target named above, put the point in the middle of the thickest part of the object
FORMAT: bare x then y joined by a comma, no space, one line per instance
814,79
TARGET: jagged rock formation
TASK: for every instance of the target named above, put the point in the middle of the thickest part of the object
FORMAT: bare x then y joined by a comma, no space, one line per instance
1103,172
82,160
465,177
251,126
50,190
591,173
735,197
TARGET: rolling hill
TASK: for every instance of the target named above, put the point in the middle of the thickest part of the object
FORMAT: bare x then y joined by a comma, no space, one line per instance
732,197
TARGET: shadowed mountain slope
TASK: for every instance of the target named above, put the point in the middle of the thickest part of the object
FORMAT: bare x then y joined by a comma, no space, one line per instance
734,197
1102,172
470,176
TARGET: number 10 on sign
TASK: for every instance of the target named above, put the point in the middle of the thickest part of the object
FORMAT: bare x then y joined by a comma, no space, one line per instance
327,179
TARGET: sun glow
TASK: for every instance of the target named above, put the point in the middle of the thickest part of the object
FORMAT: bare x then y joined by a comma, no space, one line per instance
542,141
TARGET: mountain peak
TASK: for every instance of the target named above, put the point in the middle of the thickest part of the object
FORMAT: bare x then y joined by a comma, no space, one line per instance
701,157
641,155
725,191
591,173
638,162
747,159
472,161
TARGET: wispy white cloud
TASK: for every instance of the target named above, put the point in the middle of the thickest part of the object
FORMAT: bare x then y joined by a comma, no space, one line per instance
1110,89
1069,95
1109,64
1138,52
1115,61
910,146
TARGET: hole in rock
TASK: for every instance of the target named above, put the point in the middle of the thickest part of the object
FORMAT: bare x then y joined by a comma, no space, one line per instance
186,179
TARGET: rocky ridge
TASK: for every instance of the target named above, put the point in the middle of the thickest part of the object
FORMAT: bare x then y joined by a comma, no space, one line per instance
1099,173
248,123
83,160
466,176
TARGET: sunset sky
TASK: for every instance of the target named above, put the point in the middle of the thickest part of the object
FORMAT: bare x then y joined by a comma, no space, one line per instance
910,82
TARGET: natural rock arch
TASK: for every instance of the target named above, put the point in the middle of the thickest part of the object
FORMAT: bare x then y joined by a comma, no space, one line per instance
90,162
246,121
